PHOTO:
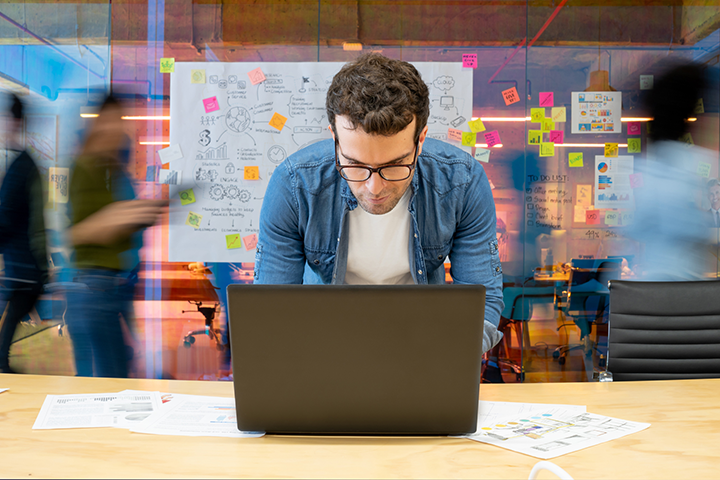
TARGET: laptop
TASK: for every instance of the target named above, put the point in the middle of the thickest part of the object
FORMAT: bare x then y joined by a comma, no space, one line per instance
357,360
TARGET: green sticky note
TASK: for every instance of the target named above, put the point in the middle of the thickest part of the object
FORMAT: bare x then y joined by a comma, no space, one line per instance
468,139
547,149
547,125
537,115
476,125
699,106
687,138
187,197
167,65
233,241
611,217
534,137
197,76
703,169
575,159
634,145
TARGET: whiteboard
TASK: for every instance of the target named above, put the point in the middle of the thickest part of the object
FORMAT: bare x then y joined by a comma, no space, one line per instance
217,146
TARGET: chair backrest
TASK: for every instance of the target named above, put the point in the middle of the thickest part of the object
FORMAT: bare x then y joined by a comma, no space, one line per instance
588,288
520,301
664,330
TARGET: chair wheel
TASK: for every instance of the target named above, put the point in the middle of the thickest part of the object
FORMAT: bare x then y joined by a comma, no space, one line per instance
191,340
556,354
561,360
187,344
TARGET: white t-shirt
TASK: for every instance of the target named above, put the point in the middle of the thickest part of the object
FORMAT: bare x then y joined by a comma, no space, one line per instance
378,246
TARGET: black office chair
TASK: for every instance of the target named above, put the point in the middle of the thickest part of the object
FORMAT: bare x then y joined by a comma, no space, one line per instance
664,330
586,303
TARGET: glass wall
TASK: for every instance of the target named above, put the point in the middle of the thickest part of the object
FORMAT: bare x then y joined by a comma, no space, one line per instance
557,81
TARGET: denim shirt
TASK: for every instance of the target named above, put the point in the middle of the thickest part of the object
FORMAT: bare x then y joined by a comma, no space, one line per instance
304,224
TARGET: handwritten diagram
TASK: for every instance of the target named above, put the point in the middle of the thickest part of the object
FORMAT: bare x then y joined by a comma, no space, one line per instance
237,122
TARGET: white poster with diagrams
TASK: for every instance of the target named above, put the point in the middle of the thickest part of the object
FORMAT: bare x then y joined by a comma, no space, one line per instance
596,112
612,182
232,124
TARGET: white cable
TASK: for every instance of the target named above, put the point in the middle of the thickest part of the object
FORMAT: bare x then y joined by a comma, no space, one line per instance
551,467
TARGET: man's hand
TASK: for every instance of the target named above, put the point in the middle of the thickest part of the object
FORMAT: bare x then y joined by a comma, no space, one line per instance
117,221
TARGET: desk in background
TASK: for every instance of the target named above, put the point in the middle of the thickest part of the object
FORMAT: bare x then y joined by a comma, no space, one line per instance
681,443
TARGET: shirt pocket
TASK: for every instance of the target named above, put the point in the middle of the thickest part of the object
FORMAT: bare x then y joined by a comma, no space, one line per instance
435,256
495,258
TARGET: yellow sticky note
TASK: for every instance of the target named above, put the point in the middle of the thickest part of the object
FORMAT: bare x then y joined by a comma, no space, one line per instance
233,241
534,137
612,217
537,115
703,169
558,114
252,173
167,65
193,219
476,126
611,149
634,145
277,121
547,149
687,138
699,106
187,196
547,125
468,139
197,76
575,159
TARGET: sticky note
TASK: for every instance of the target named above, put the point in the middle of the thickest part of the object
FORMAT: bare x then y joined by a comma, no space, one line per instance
476,125
592,217
482,155
492,138
633,128
211,104
699,107
547,149
469,60
547,125
627,217
170,177
193,219
557,136
173,152
537,115
611,149
579,213
646,82
167,65
277,121
256,76
558,114
455,134
197,76
584,195
575,159
634,145
250,241
534,137
611,218
703,169
151,173
187,197
233,241
546,99
468,139
251,173
510,96
636,180
687,138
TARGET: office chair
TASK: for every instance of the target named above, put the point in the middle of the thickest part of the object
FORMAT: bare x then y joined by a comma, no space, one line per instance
664,330
587,303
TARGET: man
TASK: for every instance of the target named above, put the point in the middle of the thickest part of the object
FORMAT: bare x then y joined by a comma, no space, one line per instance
22,236
420,200
713,187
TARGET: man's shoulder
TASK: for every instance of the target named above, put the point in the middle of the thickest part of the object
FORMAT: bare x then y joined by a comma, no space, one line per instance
447,166
312,167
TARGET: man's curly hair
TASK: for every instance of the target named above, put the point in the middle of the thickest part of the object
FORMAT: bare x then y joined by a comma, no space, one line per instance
379,95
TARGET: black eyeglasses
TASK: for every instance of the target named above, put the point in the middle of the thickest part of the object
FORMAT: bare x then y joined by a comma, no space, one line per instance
361,173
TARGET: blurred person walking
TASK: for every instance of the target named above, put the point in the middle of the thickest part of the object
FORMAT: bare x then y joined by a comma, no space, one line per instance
22,235
106,232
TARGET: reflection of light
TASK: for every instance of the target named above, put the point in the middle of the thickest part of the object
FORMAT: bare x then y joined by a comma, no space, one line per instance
582,145
485,145
352,46
89,115
527,119
636,119
692,119
154,143
146,117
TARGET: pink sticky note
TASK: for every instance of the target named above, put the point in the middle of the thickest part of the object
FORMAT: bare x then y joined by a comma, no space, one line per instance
492,138
211,104
469,60
256,76
547,99
592,217
636,180
455,134
633,128
250,241
557,136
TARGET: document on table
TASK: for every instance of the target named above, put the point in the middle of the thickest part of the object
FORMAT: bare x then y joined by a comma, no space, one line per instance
552,431
195,416
121,410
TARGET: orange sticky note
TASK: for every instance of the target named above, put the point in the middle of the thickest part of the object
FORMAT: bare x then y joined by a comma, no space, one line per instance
592,217
252,173
455,134
250,241
277,121
510,96
611,149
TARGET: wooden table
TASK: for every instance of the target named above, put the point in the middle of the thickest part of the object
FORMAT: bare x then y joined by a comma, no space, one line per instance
683,441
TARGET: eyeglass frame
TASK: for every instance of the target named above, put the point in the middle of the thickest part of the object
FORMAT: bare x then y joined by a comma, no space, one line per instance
378,170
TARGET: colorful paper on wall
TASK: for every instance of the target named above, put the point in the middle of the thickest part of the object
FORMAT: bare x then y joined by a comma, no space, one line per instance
558,114
547,149
557,136
468,139
469,60
252,173
534,137
187,197
547,125
170,177
193,219
233,241
510,96
611,149
575,159
277,121
170,154
699,107
537,115
482,155
197,76
634,145
476,125
703,169
584,195
455,134
59,181
492,138
250,241
633,128
612,218
596,112
592,217
211,104
646,82
256,76
612,182
547,99
636,180
167,65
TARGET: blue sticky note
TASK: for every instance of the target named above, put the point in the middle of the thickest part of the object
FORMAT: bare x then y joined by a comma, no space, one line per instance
151,173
